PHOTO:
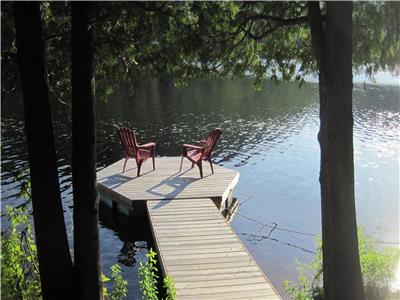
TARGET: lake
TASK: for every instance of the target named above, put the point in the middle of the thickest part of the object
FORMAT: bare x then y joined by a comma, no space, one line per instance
270,137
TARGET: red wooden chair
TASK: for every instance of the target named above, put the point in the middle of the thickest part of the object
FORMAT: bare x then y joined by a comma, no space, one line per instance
196,154
133,150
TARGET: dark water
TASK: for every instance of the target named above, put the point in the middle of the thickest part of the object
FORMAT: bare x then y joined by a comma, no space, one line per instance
270,137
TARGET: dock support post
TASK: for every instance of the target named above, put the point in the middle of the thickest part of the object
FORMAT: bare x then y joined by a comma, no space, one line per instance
114,207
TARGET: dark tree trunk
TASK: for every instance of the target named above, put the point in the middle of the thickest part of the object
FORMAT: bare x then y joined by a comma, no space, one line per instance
332,42
86,231
55,264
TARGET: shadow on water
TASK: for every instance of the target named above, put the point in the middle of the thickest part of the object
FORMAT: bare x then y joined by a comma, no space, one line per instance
124,240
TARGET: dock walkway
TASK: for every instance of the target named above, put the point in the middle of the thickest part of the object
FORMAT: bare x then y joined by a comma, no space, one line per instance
202,253
195,244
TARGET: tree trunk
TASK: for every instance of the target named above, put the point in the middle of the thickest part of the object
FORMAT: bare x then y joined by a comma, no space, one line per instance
332,44
55,264
86,202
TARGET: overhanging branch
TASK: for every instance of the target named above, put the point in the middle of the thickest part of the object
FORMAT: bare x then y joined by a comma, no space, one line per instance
317,33
281,21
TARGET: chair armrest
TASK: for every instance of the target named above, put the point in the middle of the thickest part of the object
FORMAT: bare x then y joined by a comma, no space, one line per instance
192,146
148,145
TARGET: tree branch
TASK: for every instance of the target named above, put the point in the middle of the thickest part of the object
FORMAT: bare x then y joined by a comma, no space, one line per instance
261,35
317,32
56,36
281,21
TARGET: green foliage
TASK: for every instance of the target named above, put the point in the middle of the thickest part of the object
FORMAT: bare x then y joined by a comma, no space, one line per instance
105,279
377,267
169,288
119,284
302,290
20,277
376,36
184,40
148,279
306,289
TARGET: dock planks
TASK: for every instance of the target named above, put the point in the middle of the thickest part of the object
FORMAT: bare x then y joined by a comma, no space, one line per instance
202,253
166,182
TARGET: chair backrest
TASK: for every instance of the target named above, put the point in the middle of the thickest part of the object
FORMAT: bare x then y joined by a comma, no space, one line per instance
128,140
211,142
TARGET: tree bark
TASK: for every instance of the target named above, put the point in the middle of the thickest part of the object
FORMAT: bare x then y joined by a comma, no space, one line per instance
332,43
86,201
55,264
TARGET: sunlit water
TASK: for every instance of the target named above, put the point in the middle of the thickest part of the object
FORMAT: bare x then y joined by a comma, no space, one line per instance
270,137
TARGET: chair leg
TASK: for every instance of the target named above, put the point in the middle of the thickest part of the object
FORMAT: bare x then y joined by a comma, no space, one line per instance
126,160
139,165
180,169
154,158
212,169
200,168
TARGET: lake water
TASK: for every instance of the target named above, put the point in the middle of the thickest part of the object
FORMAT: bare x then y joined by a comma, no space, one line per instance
270,137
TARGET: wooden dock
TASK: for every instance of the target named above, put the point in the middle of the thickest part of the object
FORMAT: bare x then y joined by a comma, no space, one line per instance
202,253
195,244
166,182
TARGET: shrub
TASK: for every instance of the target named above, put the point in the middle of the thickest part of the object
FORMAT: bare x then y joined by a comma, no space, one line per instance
148,279
119,284
20,278
377,268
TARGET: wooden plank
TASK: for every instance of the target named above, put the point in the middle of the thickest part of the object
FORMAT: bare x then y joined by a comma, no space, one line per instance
193,232
172,252
218,237
203,255
220,271
196,267
190,222
257,294
196,224
187,212
189,217
200,247
183,284
210,241
215,277
222,289
207,258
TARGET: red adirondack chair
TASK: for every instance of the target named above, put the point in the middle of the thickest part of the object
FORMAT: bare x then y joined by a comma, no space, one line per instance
132,150
196,154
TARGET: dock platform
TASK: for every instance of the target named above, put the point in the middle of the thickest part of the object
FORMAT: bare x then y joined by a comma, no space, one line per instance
166,182
196,245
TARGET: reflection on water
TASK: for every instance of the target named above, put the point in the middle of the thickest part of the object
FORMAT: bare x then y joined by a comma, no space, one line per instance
270,137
